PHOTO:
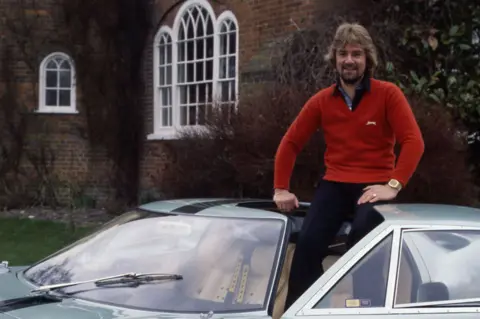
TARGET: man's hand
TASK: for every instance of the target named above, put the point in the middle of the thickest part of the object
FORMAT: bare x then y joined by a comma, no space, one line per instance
376,193
285,200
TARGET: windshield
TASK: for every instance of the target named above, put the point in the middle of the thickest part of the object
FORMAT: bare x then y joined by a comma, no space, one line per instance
226,264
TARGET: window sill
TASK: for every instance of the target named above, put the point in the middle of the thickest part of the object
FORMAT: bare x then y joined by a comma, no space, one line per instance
56,111
173,133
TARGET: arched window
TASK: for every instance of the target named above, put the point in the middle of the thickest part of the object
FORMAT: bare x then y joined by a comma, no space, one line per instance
57,84
195,68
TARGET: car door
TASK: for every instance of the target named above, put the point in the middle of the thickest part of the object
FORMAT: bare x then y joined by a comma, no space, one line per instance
398,270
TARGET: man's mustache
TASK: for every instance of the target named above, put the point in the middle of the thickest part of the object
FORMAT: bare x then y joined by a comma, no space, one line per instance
349,66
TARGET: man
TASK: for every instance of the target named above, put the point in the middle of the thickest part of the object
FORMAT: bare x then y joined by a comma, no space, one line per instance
361,119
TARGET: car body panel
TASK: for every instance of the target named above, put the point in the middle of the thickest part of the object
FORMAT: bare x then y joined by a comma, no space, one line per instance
398,218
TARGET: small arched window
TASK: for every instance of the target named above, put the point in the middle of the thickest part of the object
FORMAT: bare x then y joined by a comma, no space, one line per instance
57,84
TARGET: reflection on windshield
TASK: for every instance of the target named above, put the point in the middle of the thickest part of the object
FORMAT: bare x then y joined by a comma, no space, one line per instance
226,263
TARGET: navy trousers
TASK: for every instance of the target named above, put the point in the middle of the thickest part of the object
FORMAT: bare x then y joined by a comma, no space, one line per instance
332,203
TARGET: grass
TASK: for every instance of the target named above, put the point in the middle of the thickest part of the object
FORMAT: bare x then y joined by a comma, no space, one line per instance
24,241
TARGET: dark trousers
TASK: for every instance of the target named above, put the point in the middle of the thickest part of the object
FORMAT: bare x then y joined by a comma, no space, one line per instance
331,204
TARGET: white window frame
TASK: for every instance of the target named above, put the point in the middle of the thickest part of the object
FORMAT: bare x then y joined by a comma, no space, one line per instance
162,132
42,107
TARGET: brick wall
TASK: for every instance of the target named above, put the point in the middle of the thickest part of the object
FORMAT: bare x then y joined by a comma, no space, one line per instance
70,162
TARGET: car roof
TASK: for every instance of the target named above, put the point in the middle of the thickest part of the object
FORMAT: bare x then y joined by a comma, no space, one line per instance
420,213
234,207
438,214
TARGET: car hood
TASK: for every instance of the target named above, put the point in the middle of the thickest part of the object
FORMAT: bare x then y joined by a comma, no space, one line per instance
13,287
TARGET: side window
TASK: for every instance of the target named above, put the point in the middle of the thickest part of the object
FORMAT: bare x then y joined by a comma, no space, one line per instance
365,285
438,265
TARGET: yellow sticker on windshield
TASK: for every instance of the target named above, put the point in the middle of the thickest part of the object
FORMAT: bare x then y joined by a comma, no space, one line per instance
352,303
355,303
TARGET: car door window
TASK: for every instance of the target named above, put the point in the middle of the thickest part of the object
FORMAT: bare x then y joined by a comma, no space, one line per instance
364,285
438,265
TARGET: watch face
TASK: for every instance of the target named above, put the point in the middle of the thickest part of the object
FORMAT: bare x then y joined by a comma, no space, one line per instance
394,183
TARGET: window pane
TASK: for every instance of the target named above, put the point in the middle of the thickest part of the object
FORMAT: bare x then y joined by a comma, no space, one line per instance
165,117
169,75
51,97
232,42
210,47
190,75
183,95
65,65
199,76
223,44
161,71
52,65
438,265
65,97
161,55
65,79
231,67
223,68
200,54
192,120
233,93
201,114
52,79
164,95
209,70
181,51
365,285
169,53
183,115
224,89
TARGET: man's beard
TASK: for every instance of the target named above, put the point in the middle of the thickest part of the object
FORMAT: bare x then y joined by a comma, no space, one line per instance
350,79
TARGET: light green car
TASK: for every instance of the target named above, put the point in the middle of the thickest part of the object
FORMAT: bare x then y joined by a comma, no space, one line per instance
229,258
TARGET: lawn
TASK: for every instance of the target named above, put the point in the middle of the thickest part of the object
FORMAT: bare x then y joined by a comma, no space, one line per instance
23,241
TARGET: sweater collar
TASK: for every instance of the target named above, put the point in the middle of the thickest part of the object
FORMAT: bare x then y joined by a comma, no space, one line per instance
363,85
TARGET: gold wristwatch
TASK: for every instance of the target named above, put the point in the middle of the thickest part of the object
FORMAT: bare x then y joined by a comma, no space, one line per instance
393,183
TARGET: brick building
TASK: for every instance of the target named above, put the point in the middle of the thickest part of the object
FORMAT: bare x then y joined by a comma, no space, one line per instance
197,52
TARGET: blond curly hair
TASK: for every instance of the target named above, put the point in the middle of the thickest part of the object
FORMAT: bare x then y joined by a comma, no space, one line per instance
353,33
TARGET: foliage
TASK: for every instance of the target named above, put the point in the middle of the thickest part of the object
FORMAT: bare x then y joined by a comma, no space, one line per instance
440,45
235,158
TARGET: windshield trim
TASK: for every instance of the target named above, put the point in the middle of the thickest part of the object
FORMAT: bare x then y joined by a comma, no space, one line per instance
266,308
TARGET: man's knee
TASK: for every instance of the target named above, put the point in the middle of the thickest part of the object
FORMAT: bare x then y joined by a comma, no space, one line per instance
365,220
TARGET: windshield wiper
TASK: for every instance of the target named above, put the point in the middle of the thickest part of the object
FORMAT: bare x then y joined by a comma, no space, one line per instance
118,279
45,294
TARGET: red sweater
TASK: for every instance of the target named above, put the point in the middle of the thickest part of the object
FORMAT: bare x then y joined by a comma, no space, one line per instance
360,143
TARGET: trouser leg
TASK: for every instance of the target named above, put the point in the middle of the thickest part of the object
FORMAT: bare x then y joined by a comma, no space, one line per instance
324,218
368,280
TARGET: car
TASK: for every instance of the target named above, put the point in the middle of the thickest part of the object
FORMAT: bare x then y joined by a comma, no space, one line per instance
230,258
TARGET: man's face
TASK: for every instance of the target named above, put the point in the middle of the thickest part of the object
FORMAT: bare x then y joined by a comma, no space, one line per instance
351,63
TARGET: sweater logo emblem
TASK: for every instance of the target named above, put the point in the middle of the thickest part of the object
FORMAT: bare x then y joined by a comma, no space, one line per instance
371,123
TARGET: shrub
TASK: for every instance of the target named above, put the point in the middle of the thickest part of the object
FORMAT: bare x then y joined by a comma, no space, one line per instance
443,175
236,158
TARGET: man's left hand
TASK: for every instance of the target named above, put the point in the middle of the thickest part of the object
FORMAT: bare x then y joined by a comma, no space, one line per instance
374,193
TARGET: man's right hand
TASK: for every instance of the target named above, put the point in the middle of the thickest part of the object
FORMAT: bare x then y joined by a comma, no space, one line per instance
285,200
